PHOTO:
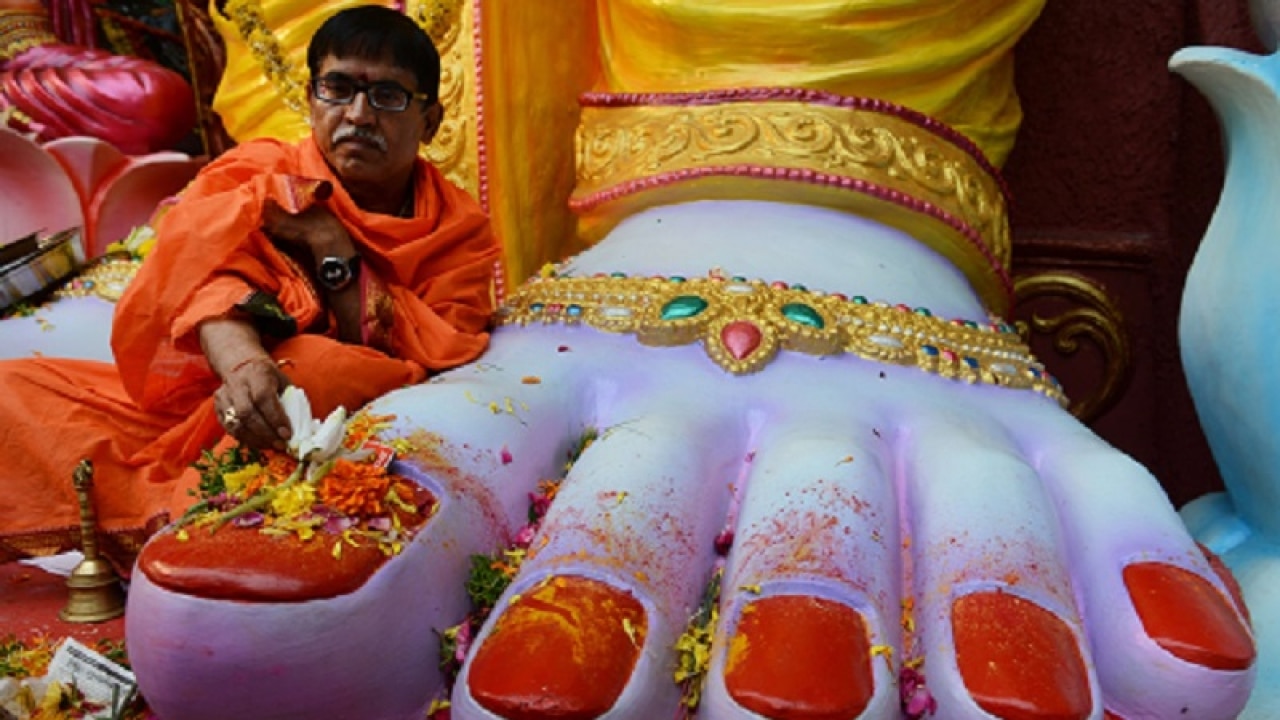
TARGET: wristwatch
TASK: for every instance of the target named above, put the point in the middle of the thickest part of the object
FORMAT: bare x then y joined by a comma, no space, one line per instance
336,273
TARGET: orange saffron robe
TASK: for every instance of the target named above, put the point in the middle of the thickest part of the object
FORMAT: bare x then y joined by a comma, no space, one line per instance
427,301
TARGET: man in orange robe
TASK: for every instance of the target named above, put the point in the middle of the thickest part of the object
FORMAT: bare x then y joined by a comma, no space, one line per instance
344,264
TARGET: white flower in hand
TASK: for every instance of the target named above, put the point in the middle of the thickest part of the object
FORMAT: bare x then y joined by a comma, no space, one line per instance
298,409
326,442
312,440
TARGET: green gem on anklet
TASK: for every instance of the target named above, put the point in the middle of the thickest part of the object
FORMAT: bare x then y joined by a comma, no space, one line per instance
685,306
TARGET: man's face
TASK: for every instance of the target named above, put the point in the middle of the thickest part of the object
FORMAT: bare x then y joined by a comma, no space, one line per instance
363,144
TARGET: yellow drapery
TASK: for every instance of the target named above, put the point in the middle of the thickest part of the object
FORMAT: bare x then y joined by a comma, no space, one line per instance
948,59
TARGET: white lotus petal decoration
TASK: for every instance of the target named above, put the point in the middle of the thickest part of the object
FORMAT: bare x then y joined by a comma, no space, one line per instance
312,440
326,439
298,409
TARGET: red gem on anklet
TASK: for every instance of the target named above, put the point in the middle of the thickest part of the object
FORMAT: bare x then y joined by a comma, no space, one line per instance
741,338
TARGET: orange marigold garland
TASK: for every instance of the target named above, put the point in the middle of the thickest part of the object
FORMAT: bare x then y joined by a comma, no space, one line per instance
356,489
336,479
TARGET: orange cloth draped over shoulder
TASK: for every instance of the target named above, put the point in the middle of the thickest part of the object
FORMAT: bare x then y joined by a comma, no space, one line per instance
427,294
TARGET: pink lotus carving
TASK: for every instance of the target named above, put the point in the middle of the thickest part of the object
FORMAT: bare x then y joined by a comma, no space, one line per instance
83,181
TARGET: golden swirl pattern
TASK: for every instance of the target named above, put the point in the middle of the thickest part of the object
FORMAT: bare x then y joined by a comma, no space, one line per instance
620,147
440,20
621,144
289,82
742,325
1095,318
450,24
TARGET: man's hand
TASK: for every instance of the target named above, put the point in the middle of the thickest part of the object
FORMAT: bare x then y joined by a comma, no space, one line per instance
315,229
248,403
320,234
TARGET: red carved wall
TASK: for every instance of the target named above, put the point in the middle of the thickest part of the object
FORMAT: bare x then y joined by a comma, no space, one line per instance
1115,176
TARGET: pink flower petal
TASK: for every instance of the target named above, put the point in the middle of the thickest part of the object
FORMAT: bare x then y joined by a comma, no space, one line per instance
463,641
249,519
337,525
524,538
724,541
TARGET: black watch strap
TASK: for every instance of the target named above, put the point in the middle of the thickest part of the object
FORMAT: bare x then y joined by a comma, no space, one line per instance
268,315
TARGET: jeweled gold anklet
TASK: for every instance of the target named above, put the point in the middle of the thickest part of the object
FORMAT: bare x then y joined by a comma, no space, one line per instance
108,278
742,324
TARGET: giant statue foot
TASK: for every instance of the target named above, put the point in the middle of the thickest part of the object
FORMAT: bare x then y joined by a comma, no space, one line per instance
906,514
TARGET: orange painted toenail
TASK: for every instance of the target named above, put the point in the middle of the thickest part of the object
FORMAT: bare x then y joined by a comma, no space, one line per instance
795,657
563,650
1018,660
1188,617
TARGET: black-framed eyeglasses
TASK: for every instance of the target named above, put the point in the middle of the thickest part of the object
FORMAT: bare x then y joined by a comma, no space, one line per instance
339,89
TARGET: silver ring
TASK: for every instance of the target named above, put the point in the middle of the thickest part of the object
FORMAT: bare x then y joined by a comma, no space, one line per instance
230,418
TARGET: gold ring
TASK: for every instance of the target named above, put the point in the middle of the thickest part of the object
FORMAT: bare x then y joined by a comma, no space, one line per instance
230,418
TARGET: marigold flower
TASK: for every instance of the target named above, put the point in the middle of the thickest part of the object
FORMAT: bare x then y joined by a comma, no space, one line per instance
279,466
404,491
549,488
355,488
363,426
30,659
510,562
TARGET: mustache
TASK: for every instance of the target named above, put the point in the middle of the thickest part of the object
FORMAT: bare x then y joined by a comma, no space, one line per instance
353,132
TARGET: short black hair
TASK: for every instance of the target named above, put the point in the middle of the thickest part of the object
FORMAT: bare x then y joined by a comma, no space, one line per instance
373,32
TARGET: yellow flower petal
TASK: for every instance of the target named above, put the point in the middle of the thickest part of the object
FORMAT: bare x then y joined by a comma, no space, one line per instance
237,479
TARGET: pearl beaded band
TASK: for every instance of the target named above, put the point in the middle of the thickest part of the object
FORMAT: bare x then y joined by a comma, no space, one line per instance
743,324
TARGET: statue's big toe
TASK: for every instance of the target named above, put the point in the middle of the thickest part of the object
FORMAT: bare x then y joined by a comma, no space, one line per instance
330,627
240,564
